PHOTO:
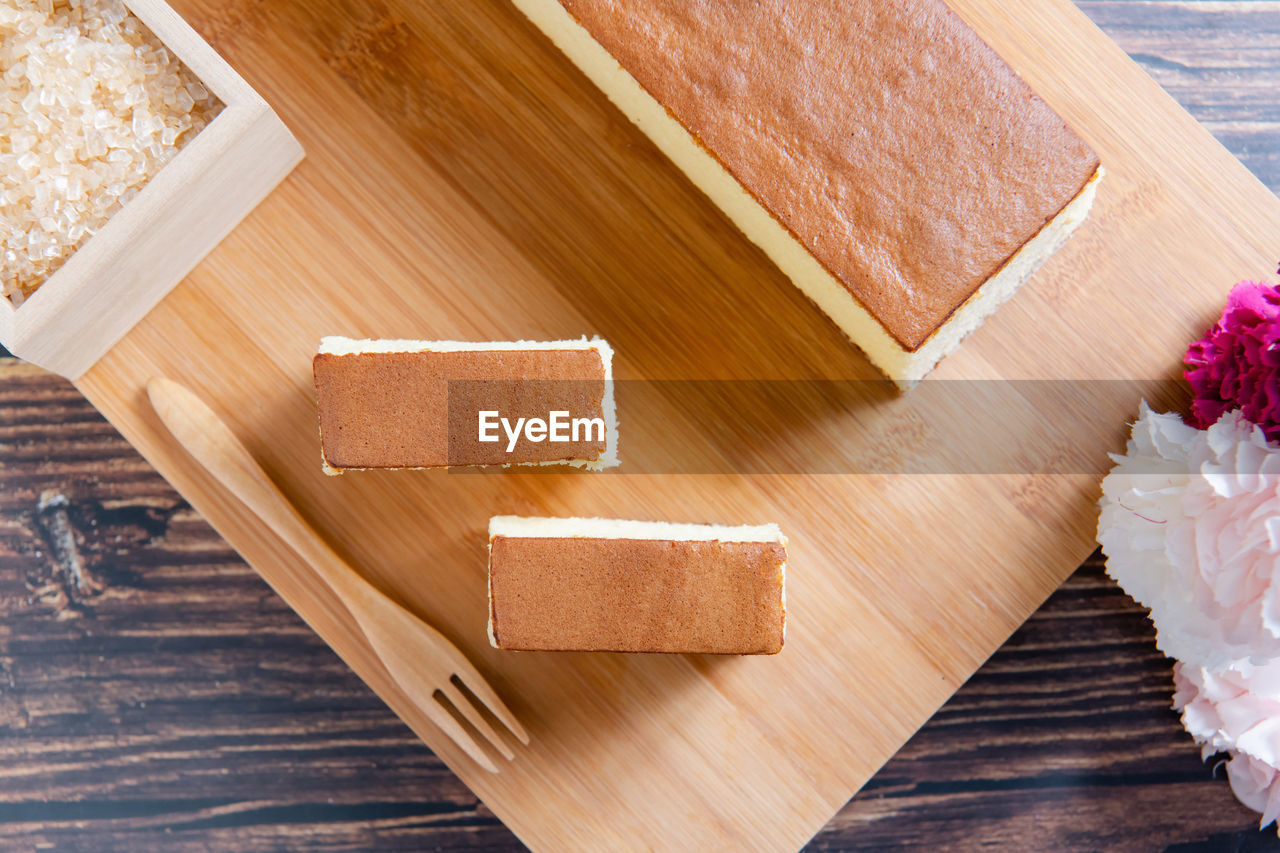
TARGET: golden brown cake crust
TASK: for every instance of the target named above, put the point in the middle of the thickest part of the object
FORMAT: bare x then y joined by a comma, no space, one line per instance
636,595
419,409
888,138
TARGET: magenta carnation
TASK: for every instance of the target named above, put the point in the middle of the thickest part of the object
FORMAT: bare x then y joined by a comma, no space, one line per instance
1236,365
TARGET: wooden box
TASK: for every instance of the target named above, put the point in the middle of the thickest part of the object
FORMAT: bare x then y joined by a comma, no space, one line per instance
181,213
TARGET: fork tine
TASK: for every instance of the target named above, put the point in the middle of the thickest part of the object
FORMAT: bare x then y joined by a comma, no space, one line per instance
468,709
442,718
488,697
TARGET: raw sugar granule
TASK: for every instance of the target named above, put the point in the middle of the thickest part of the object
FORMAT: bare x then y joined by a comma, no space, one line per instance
92,106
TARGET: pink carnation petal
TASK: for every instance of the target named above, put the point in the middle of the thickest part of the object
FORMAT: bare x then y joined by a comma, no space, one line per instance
1236,365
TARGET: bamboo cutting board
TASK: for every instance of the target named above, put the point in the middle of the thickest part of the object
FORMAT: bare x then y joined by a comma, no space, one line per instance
464,181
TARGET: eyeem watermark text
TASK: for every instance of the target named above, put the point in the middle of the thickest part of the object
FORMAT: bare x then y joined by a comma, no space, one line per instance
557,427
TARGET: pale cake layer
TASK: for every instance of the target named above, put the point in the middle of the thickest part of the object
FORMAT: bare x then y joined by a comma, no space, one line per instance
908,291
516,526
415,404
575,584
338,345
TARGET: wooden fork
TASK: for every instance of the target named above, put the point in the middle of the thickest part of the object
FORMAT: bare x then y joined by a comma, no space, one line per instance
423,663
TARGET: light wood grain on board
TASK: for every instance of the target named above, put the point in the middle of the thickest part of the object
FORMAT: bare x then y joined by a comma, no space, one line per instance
464,181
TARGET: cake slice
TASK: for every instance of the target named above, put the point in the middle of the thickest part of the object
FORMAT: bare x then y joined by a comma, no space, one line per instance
437,404
883,155
597,584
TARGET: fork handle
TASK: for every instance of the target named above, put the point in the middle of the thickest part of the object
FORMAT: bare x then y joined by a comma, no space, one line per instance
208,438
212,443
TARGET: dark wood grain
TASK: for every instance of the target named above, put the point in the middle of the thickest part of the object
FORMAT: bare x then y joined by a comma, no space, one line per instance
155,695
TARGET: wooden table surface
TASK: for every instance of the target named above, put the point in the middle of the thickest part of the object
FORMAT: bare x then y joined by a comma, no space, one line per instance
156,695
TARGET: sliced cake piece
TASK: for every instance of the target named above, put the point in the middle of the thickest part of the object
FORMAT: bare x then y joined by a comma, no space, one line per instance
598,584
883,155
436,404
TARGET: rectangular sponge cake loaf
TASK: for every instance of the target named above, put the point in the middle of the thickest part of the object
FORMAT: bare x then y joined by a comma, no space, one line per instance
886,159
418,404
595,584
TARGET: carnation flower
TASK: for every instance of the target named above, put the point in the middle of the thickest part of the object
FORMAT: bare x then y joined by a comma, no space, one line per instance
1190,526
1254,784
1236,710
1236,365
